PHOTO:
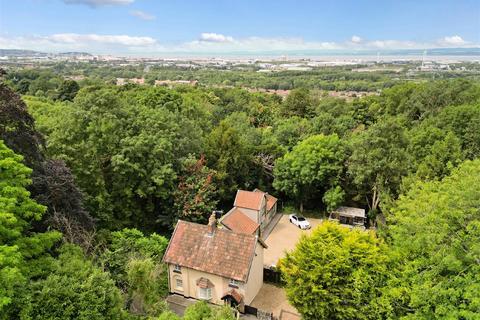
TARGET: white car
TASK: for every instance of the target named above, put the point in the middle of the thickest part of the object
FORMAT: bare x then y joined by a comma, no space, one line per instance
300,221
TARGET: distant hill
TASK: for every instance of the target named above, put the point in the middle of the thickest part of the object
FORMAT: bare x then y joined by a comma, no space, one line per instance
20,53
32,53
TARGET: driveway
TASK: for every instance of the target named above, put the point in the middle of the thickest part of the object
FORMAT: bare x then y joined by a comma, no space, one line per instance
283,238
273,299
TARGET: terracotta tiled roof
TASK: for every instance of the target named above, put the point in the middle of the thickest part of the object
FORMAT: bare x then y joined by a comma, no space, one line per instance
248,199
224,253
237,221
235,294
271,200
204,283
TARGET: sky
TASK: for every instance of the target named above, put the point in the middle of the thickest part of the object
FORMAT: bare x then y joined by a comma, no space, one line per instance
159,26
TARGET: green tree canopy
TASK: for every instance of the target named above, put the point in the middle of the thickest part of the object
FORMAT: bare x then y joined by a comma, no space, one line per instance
195,197
125,146
23,252
435,228
336,273
311,167
68,90
299,102
378,160
74,289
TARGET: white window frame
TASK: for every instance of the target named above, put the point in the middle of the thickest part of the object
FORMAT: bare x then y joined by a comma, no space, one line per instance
177,280
205,293
234,283
177,268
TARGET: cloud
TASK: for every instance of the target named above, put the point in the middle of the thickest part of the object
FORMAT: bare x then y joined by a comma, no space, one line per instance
215,37
356,39
99,3
210,43
142,15
453,41
105,39
94,43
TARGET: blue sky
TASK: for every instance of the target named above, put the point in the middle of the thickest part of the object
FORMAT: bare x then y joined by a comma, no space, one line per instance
156,26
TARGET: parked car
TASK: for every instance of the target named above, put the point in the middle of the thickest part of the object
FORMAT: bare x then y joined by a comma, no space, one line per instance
300,221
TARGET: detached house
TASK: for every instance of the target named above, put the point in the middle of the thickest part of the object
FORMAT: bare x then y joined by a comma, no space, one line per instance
213,264
256,206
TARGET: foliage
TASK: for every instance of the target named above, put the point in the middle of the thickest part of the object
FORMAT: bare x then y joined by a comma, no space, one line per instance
333,198
130,244
75,289
336,273
68,90
53,184
231,157
298,103
435,229
290,131
196,192
124,147
463,121
314,164
23,252
17,128
55,188
202,311
378,160
147,280
136,153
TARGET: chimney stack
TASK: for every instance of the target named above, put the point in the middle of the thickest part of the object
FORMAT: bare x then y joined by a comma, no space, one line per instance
212,224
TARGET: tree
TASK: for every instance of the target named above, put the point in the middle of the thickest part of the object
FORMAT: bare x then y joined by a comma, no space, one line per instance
75,289
195,197
23,253
147,286
336,273
333,198
378,160
313,165
125,147
202,311
444,155
53,183
463,121
290,131
231,157
17,128
55,188
68,90
127,244
434,229
298,103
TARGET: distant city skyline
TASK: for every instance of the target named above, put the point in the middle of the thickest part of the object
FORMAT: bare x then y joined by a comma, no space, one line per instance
147,27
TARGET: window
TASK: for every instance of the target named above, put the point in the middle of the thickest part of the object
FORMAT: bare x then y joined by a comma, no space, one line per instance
178,284
234,283
177,269
205,293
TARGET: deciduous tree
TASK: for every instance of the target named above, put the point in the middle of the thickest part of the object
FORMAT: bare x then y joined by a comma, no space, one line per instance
311,167
435,229
336,273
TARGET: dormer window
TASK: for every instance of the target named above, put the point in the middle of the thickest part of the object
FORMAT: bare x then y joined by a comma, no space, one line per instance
234,283
177,268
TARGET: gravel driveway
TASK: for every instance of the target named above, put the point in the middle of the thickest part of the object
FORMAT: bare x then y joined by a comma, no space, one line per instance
283,238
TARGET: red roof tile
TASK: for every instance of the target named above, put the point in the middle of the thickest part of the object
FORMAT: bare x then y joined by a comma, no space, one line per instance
235,294
237,221
204,283
224,253
248,199
271,200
